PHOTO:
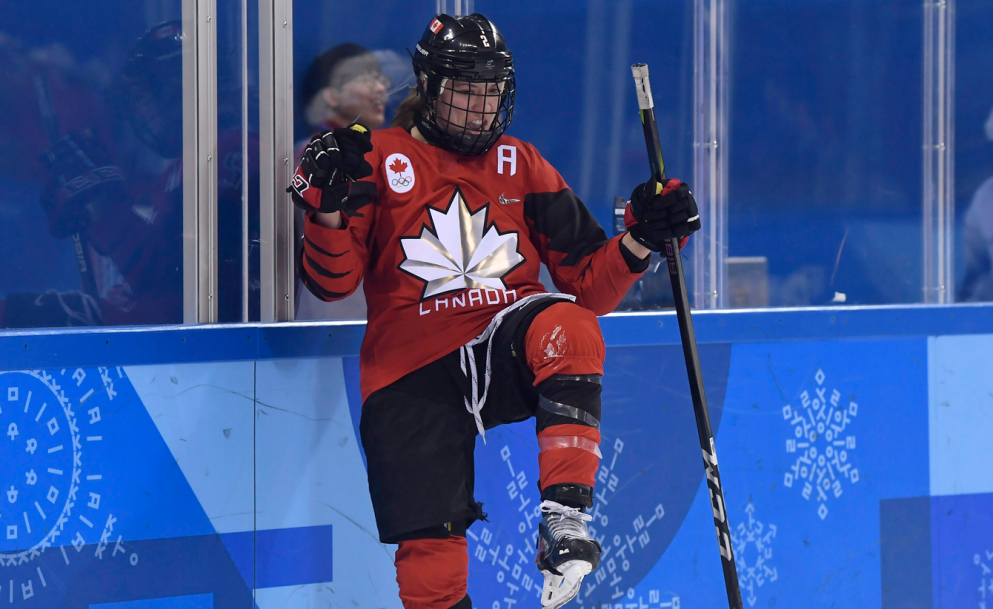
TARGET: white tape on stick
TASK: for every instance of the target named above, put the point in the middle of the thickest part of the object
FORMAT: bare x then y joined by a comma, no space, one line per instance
644,88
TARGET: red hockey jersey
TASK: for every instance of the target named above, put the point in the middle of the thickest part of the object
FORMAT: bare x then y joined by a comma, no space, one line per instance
450,242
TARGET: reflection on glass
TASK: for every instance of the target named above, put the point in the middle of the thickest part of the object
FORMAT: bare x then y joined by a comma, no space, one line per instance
977,282
344,85
825,151
238,151
92,189
974,150
91,180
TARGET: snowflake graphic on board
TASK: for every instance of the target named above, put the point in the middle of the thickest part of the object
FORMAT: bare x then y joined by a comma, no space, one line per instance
822,444
746,539
984,560
461,252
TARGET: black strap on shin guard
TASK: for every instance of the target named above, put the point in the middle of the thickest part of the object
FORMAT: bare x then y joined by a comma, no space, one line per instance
571,412
577,496
567,399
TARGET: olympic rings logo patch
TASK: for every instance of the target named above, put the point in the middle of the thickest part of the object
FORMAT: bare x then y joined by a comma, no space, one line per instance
399,173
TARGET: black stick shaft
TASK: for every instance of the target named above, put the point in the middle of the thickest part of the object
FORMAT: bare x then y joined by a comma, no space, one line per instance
647,107
79,241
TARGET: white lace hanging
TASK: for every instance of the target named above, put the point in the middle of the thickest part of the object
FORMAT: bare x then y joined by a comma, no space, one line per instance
468,358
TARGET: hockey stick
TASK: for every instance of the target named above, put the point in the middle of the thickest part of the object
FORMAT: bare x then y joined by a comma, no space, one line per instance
647,108
79,244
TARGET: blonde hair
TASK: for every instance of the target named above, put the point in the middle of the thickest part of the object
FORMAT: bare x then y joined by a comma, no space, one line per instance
411,106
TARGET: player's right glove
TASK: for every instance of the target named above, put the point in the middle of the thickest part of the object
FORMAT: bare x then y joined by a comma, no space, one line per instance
659,211
326,182
82,183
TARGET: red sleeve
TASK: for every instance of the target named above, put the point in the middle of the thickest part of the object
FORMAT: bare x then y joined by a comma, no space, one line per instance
332,261
581,259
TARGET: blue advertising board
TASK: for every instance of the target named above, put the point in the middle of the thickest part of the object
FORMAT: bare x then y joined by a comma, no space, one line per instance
853,446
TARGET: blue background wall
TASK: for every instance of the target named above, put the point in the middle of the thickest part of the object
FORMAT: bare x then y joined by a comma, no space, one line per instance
201,465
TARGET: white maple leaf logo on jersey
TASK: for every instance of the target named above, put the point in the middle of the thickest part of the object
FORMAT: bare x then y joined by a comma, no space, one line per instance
461,252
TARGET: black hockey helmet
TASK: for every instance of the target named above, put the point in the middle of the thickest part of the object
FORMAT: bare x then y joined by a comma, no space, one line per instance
470,50
152,79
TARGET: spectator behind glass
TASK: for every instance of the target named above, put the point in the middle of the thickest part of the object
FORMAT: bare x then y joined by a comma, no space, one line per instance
977,285
344,85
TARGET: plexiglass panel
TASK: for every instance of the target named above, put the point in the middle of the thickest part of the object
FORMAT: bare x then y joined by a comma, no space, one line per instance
91,183
825,153
974,151
238,151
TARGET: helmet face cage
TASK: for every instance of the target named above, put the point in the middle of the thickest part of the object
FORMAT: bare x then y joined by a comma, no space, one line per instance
465,115
156,116
153,83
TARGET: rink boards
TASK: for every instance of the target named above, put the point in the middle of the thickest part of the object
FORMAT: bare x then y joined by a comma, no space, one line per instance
196,467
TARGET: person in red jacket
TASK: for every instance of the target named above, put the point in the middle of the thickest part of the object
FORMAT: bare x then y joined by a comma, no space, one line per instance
448,220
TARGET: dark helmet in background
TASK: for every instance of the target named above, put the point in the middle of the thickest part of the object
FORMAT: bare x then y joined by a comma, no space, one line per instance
468,49
152,79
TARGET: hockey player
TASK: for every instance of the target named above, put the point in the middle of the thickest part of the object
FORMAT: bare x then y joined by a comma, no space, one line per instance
344,84
448,219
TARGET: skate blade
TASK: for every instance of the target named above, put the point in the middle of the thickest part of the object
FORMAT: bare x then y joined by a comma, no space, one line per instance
560,589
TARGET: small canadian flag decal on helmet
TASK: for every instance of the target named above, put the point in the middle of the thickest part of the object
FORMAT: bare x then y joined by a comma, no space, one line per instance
435,26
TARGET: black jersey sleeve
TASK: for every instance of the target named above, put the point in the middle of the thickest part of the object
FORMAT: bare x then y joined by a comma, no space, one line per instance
580,258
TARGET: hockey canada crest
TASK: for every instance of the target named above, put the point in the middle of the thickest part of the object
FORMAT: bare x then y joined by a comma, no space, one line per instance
461,252
399,173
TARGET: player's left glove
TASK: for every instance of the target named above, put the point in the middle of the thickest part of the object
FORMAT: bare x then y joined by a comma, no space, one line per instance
659,211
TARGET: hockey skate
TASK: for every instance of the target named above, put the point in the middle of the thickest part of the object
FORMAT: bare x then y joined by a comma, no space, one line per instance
566,554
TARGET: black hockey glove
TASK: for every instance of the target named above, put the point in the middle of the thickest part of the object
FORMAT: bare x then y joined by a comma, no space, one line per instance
325,182
82,183
661,211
